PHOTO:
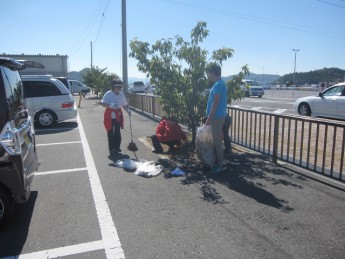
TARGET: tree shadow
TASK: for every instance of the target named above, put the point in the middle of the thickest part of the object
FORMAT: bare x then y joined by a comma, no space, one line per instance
248,176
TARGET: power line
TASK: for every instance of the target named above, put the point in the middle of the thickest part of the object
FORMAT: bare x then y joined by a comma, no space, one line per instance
277,23
329,3
102,21
87,30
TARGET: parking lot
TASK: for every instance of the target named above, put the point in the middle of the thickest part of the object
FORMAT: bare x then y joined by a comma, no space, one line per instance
82,206
67,202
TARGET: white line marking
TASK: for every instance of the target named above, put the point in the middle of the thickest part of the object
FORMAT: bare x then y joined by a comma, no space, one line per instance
279,111
62,251
110,237
143,140
256,108
61,171
58,143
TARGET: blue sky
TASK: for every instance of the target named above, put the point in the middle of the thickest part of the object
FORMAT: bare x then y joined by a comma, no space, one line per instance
263,33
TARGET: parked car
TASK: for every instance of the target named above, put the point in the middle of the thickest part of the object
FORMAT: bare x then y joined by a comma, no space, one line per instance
18,155
47,100
151,89
252,88
330,103
137,87
79,88
66,82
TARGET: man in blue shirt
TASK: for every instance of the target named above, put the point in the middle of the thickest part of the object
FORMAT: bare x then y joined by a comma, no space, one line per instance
216,111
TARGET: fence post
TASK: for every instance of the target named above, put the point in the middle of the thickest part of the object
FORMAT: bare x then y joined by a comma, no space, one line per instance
275,138
153,106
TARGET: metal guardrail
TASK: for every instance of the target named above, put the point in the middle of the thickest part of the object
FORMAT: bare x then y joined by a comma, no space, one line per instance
311,143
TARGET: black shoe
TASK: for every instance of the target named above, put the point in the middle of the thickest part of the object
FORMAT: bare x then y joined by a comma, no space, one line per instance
157,151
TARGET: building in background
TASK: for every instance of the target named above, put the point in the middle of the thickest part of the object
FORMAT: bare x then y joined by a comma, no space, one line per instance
56,65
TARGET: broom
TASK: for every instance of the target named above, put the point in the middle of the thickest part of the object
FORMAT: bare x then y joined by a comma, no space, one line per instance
131,146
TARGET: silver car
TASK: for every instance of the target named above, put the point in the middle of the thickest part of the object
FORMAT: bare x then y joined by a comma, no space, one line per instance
48,100
330,103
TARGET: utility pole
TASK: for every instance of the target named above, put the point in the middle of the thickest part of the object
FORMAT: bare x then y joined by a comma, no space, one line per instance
91,55
294,73
124,49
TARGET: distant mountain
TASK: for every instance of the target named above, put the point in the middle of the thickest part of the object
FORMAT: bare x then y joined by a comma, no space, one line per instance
75,75
262,79
78,75
330,75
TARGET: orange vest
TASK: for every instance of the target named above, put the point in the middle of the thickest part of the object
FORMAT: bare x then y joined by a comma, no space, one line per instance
107,118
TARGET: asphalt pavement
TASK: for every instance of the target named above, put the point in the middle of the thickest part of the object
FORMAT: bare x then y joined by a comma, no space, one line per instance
254,209
83,206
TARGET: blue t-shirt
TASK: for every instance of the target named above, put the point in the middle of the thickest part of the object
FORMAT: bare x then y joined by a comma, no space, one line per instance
220,88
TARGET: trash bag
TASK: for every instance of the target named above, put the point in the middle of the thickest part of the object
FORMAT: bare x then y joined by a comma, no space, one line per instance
127,164
148,169
177,172
204,145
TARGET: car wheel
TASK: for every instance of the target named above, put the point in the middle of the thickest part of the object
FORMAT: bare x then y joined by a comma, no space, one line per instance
45,119
304,109
6,207
260,96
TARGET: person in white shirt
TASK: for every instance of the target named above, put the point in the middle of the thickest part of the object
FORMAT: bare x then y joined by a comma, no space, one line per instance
114,101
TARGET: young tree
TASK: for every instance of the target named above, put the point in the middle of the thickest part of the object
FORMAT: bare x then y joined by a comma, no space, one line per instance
99,79
177,67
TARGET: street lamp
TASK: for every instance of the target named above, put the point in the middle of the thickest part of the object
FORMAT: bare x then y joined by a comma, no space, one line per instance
294,72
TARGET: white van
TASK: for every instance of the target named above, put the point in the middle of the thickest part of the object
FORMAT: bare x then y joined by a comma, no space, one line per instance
252,88
47,100
79,88
137,87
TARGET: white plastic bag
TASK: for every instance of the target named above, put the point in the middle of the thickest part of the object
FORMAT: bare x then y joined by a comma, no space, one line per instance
148,169
204,145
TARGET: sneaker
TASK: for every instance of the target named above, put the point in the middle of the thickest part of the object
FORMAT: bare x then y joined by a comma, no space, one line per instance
217,169
157,151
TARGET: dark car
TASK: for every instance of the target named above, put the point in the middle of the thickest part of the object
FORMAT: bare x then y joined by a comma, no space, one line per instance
18,155
66,82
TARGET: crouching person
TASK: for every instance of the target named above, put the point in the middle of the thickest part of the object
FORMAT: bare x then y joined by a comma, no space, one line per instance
168,132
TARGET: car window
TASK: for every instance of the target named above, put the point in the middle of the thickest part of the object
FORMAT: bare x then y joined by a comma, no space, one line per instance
335,91
13,86
138,83
40,89
75,83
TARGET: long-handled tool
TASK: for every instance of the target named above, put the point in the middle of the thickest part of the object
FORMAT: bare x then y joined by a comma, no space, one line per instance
131,146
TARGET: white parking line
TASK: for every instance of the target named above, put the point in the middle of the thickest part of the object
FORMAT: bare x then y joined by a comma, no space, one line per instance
279,111
110,240
110,237
58,143
61,171
62,251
